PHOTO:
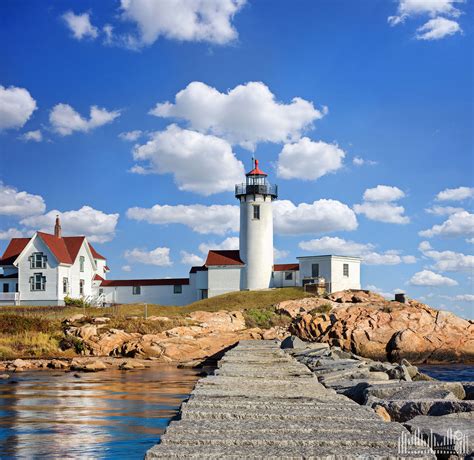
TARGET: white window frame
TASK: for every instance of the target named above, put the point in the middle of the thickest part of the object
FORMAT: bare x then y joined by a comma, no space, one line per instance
65,285
288,276
345,270
256,212
81,287
82,261
38,260
38,280
312,270
136,290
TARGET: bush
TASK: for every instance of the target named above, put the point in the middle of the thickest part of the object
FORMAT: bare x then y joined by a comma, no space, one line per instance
72,302
69,342
265,318
325,308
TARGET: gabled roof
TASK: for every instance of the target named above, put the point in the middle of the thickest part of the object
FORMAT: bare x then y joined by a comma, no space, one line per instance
223,257
148,282
286,267
198,269
98,278
64,249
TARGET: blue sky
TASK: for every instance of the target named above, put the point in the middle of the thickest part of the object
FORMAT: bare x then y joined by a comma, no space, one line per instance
381,102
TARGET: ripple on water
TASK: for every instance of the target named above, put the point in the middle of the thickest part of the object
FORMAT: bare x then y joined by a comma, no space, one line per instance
109,414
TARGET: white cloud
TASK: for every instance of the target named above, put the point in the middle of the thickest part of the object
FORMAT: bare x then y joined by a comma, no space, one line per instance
80,25
200,163
158,256
232,242
21,204
131,136
126,268
318,217
183,20
443,210
65,120
14,233
309,160
35,136
16,107
447,260
387,295
455,194
407,8
383,193
339,246
245,115
437,28
382,212
358,161
218,219
464,298
470,240
280,253
458,224
429,278
96,225
188,258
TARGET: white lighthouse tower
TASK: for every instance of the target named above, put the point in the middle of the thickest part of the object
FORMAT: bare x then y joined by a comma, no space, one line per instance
256,229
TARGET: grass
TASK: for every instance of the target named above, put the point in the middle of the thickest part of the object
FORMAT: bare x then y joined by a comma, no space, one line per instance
265,318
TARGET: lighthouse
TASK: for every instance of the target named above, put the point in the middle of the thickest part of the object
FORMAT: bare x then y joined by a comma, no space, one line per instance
256,229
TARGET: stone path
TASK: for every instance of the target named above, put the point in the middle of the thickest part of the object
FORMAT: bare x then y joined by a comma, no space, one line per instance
262,403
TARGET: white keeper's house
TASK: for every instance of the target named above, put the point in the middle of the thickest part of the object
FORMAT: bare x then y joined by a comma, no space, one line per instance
46,268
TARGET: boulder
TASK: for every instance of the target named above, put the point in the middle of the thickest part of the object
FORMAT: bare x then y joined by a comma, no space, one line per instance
399,373
382,413
453,434
88,366
294,308
75,318
355,296
469,389
164,319
220,320
275,333
20,364
101,320
58,364
129,365
292,342
4,376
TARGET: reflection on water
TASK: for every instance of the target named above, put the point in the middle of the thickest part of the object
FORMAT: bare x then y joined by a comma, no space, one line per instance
449,372
109,414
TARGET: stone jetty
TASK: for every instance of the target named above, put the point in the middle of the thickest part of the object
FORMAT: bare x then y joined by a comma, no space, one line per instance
263,403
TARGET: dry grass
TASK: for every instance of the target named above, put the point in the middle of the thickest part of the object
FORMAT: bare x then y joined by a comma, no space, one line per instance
29,345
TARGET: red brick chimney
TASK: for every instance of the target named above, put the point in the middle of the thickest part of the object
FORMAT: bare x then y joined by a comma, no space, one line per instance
57,228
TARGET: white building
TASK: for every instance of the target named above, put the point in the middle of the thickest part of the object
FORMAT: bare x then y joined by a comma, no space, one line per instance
42,270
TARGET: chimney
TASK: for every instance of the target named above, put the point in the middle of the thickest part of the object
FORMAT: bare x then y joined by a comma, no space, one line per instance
57,228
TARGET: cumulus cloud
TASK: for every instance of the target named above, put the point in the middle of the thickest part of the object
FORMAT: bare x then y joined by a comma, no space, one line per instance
407,8
126,268
457,224
96,225
34,136
280,253
383,212
158,256
464,298
340,246
309,160
80,25
245,115
65,120
455,194
443,210
383,193
200,163
183,20
447,260
14,233
131,136
429,278
437,28
321,216
188,258
217,219
359,161
16,107
232,242
21,204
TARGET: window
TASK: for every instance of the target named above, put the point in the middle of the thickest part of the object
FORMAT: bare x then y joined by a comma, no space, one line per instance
38,260
6,287
16,287
101,291
288,276
38,282
136,290
315,270
81,263
256,211
177,289
345,270
65,285
81,287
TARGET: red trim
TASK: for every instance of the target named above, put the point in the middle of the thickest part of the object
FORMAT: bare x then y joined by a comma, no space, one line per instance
286,267
95,254
256,171
149,282
98,278
223,257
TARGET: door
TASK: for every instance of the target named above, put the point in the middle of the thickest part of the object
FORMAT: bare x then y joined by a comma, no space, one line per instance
6,287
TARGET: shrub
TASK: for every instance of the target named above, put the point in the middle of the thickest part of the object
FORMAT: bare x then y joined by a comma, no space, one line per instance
73,302
69,342
265,318
325,308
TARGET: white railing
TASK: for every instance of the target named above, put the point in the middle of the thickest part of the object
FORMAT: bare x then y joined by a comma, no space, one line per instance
12,297
96,300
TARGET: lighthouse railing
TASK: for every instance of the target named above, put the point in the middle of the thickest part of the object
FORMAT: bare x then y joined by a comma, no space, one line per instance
260,189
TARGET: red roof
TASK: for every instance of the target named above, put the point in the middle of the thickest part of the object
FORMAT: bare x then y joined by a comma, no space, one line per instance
198,269
149,282
64,249
286,267
223,257
106,268
98,278
256,171
13,250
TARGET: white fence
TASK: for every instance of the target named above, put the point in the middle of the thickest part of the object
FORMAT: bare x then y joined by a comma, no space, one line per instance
10,298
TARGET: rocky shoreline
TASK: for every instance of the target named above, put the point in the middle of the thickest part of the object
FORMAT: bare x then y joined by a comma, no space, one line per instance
397,392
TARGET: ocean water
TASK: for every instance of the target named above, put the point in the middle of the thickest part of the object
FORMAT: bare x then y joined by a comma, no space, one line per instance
109,414
449,372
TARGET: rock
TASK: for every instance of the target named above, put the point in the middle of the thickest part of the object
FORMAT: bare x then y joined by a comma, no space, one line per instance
164,319
382,413
355,296
294,308
75,318
129,365
391,331
469,390
453,434
20,364
100,320
275,333
399,373
220,320
4,376
85,332
88,366
292,342
58,364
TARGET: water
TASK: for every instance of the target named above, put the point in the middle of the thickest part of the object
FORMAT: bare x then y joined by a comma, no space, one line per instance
449,372
109,414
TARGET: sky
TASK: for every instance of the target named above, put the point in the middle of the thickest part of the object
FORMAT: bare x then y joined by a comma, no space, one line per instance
134,119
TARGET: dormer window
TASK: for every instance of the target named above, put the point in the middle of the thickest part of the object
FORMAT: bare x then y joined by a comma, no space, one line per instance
38,260
82,259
